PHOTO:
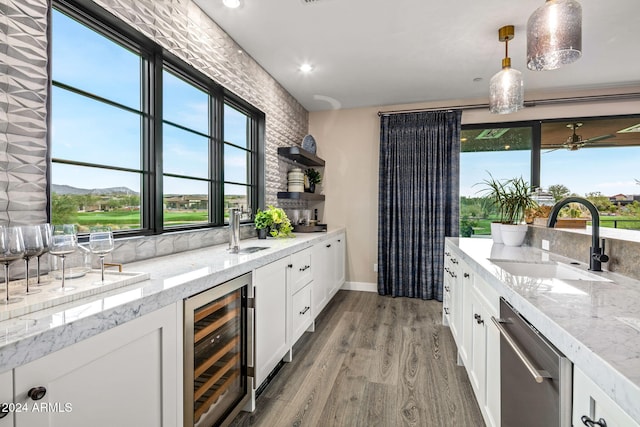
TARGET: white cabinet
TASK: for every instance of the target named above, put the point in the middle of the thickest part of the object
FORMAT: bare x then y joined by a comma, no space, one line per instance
329,272
6,399
486,350
299,294
468,305
590,401
282,290
270,293
127,375
458,281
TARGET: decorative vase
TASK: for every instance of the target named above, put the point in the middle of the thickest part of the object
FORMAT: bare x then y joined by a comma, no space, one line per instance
312,187
513,234
495,232
262,233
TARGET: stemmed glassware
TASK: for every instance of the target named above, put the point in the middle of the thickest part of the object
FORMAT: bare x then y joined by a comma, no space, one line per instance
101,243
11,249
64,241
32,247
45,232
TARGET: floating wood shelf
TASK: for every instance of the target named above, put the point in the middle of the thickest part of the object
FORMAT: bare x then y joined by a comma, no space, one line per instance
301,156
300,196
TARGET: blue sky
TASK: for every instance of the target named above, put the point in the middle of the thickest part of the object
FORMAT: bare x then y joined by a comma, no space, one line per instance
90,131
609,170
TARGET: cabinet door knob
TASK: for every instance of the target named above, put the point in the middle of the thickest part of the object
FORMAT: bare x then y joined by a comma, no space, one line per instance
589,422
466,275
37,393
329,245
290,266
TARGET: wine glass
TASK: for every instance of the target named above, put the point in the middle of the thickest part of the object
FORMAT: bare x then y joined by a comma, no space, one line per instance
101,243
33,246
45,232
63,242
11,249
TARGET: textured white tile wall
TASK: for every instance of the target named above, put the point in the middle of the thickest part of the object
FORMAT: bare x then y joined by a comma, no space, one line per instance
184,30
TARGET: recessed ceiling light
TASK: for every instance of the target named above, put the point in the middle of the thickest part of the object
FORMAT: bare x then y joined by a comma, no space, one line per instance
306,68
231,4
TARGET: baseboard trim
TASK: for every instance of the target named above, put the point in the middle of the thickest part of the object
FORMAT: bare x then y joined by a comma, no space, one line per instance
360,286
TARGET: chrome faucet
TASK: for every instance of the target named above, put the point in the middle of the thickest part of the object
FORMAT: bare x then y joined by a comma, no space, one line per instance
234,230
596,253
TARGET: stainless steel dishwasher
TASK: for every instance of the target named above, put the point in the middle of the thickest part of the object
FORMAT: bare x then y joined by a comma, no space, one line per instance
535,377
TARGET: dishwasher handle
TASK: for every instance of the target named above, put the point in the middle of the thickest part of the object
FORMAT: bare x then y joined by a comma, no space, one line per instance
538,375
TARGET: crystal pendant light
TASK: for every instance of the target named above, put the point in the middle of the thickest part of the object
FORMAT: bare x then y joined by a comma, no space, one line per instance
506,89
554,35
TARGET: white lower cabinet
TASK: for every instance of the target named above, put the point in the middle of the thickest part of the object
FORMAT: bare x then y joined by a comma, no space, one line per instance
126,376
590,401
470,304
329,271
270,293
6,399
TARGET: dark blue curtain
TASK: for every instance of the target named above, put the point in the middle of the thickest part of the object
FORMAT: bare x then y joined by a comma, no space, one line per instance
418,200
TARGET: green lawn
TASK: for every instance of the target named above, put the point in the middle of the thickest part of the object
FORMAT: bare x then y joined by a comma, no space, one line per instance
130,220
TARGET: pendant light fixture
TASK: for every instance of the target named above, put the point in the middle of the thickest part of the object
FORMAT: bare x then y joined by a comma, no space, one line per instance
554,35
506,89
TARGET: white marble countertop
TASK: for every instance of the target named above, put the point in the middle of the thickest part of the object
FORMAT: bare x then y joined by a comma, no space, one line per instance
172,278
595,324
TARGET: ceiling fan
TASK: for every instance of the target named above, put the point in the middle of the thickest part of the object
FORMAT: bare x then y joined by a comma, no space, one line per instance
575,141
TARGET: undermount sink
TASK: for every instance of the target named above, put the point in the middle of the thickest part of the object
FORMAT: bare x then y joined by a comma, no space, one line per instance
252,249
548,270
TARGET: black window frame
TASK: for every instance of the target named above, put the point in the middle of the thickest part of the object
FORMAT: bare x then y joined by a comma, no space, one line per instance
154,60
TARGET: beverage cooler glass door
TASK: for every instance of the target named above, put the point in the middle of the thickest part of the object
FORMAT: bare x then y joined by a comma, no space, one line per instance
216,339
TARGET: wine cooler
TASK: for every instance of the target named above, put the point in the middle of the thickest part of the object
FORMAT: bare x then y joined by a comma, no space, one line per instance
218,336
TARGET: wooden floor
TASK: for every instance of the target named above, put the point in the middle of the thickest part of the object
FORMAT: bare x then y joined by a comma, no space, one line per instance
372,361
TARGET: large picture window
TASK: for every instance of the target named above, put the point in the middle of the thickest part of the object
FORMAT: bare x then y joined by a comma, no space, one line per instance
591,157
141,142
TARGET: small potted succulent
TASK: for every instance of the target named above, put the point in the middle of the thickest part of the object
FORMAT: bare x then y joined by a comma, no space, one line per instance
313,177
272,221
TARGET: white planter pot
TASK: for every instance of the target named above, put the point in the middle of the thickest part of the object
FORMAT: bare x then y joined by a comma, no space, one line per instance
513,234
496,235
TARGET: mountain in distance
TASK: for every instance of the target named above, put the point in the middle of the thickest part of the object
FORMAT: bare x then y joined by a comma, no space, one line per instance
67,189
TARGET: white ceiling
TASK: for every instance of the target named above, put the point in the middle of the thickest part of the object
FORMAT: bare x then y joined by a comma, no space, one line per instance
375,52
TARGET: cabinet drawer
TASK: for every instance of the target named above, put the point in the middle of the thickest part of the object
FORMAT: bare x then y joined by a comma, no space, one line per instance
301,272
301,313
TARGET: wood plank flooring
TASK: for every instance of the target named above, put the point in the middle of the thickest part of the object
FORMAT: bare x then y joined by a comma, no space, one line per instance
372,361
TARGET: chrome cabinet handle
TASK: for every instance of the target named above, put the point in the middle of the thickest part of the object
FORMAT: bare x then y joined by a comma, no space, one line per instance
446,310
466,275
289,265
538,375
37,393
447,253
589,422
478,318
446,288
453,260
305,310
305,267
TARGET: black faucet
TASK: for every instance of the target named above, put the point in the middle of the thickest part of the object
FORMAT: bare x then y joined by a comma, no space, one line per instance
596,253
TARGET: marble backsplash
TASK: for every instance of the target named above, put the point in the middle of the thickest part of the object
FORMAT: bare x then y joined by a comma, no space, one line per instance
623,254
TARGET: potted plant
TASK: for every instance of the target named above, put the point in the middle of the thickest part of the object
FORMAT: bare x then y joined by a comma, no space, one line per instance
273,221
517,199
494,193
313,177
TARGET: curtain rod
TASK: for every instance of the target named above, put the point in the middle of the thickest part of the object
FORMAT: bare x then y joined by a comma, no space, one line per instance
549,101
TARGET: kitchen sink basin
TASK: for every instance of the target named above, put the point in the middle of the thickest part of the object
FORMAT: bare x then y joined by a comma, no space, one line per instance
252,249
547,270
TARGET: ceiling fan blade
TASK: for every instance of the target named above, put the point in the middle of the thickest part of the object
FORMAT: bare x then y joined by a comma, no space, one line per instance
551,151
597,138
